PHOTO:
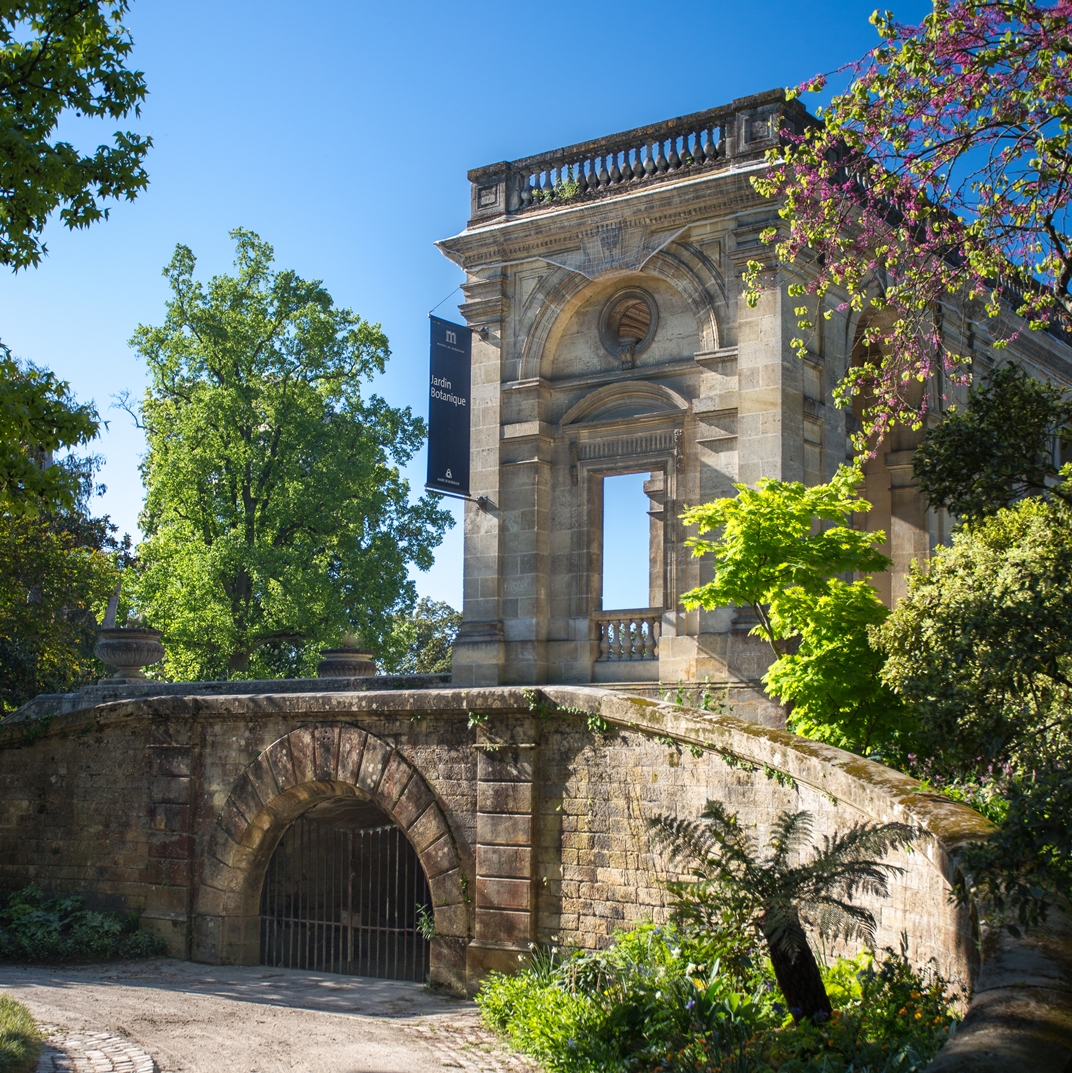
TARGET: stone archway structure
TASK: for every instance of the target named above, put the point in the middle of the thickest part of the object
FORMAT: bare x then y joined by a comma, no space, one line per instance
311,764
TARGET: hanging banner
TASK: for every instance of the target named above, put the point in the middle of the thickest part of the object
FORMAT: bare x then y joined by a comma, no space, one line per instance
448,408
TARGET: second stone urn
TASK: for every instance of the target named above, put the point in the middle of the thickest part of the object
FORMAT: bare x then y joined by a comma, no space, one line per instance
345,663
128,649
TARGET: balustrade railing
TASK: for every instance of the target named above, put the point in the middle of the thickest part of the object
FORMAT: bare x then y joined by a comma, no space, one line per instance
675,148
626,635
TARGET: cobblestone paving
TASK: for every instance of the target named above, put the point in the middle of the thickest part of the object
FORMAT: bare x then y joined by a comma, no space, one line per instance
462,1042
91,1052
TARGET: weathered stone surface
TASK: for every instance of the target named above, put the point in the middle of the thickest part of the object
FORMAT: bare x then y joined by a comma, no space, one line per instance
79,810
372,764
503,894
506,861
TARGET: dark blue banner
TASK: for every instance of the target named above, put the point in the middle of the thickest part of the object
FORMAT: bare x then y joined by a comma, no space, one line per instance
448,408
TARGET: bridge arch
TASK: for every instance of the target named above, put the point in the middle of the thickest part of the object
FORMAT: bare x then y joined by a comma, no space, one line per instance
305,767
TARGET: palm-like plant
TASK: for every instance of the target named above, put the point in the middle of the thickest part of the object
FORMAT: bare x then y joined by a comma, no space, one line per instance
776,896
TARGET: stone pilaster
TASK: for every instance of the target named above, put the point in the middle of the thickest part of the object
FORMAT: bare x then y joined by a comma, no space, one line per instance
505,902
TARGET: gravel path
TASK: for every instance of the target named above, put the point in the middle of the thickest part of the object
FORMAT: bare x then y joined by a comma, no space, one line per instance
177,1017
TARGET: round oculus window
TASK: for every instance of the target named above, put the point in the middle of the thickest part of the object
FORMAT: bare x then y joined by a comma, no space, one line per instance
627,324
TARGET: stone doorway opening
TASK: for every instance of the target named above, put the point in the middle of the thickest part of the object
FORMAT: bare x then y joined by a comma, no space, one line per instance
343,893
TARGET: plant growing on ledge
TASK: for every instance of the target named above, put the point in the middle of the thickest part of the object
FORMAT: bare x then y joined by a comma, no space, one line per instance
773,896
275,516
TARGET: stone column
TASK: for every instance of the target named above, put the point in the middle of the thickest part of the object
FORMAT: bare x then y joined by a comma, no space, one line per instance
505,895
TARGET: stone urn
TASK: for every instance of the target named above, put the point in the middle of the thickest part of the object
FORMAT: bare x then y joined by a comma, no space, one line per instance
128,649
345,663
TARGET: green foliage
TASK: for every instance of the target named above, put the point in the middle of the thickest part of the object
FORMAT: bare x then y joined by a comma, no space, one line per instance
38,416
276,518
20,1038
832,684
769,543
59,57
420,642
672,1000
768,893
979,645
40,927
57,570
774,555
997,450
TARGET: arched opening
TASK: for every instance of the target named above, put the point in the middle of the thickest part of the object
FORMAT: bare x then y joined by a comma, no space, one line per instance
345,892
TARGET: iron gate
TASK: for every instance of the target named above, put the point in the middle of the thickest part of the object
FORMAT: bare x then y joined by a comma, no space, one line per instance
346,900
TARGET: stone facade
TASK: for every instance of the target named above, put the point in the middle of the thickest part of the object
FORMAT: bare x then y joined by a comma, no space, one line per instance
603,284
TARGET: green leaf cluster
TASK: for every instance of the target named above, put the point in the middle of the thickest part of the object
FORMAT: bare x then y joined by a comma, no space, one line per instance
57,570
998,449
59,57
275,518
980,644
673,1000
38,416
777,552
35,926
420,641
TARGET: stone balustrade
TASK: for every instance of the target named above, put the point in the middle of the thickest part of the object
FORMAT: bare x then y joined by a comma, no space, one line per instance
628,635
680,148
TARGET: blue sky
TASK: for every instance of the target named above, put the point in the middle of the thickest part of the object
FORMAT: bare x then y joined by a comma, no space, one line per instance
341,132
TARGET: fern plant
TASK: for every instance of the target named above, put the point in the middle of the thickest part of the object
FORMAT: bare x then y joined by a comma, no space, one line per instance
729,876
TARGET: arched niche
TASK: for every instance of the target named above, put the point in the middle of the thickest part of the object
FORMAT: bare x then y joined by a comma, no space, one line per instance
565,307
295,773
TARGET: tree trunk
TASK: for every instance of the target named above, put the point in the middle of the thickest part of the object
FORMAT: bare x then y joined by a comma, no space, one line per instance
797,972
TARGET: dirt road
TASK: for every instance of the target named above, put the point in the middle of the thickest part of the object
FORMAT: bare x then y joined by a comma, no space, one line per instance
206,1019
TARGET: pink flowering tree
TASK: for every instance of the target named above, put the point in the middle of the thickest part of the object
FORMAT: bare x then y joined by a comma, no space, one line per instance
940,178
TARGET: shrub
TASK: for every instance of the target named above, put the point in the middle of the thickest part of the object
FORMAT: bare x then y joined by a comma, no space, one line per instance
20,1038
661,1000
35,926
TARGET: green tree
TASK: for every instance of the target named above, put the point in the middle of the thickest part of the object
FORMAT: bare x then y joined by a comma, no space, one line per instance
767,892
773,554
980,644
275,517
420,641
59,57
38,416
998,449
57,569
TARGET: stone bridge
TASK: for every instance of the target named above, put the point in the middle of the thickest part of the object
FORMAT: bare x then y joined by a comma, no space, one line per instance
526,810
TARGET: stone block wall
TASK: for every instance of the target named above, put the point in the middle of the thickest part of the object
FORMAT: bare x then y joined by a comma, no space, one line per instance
530,822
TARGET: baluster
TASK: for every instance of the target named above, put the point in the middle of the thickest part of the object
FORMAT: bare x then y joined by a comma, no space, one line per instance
720,142
656,630
604,177
660,161
649,160
615,172
545,184
604,640
709,150
673,160
526,191
623,633
593,174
